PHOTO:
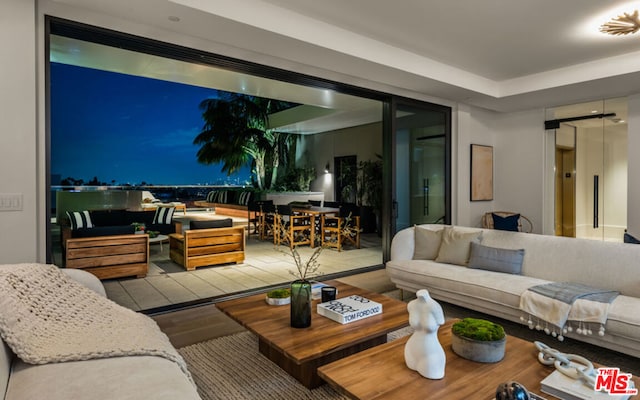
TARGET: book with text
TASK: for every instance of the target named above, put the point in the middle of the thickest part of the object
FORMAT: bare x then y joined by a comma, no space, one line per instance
349,309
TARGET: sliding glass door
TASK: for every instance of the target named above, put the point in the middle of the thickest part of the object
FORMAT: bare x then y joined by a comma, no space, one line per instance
422,164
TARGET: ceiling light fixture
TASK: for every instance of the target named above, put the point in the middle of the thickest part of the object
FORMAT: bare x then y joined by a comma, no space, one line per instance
622,24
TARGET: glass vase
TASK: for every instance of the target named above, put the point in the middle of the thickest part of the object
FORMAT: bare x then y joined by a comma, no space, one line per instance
301,304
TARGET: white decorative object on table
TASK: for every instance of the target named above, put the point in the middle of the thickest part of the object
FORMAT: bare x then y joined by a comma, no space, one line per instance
423,352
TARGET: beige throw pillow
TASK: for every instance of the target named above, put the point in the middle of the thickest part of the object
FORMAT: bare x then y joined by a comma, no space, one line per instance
456,245
427,243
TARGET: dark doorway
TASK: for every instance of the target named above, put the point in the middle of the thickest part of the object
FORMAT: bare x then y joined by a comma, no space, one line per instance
346,179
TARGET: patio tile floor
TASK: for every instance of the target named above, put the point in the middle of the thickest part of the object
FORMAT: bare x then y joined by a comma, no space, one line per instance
264,266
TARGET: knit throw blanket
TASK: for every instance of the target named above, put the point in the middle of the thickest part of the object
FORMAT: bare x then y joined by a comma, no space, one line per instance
47,317
561,307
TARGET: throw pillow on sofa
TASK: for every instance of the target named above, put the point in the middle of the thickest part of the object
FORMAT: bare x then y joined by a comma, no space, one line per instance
79,219
219,223
496,259
164,215
456,245
509,223
427,243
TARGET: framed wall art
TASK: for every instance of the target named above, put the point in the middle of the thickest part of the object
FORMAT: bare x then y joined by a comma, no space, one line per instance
481,172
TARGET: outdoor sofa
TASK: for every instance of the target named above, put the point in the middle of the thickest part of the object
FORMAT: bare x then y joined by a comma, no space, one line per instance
106,243
494,283
208,242
229,202
99,362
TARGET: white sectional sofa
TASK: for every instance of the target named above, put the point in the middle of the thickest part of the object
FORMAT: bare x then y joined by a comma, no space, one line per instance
118,377
605,265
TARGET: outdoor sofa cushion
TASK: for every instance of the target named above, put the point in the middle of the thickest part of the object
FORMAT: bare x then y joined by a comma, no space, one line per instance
214,223
103,231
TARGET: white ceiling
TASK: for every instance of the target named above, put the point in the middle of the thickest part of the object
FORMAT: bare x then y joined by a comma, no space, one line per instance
503,55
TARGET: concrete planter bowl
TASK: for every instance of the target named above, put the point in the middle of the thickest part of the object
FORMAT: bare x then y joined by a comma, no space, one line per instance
478,340
278,302
478,350
278,297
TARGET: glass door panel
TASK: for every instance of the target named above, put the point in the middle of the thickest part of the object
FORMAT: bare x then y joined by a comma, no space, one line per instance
591,169
422,168
427,180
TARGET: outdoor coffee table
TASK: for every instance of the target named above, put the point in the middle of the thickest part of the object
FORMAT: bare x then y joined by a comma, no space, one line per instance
381,372
158,239
301,351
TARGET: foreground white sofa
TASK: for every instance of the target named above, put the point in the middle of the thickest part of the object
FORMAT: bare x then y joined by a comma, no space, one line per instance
605,265
121,378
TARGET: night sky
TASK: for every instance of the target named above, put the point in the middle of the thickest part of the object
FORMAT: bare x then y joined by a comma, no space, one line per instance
128,129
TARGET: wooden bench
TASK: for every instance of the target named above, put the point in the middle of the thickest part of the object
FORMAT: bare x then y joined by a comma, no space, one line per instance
110,256
202,247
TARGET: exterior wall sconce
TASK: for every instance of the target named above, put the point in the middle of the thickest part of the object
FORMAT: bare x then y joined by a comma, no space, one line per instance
326,169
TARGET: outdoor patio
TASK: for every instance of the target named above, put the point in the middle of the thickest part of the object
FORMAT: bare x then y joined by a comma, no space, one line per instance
168,284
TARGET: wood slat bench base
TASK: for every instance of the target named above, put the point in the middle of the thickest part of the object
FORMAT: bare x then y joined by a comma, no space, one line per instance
231,210
202,247
110,256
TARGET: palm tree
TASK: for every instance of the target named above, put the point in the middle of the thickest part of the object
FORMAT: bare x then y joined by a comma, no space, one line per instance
236,132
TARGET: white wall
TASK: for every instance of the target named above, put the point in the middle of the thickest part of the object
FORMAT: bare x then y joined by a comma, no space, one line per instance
21,232
518,141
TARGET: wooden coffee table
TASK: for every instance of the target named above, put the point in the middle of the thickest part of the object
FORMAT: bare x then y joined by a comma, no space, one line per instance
301,351
381,373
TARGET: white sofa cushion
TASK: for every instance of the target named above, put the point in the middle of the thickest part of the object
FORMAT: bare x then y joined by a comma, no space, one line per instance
456,245
458,280
122,378
427,243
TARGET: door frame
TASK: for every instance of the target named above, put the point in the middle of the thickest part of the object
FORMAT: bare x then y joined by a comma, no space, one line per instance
390,160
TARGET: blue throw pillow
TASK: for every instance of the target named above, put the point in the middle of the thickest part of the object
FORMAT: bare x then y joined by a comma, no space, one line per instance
509,223
496,259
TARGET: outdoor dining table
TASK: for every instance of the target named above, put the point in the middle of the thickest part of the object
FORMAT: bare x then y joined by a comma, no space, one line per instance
315,212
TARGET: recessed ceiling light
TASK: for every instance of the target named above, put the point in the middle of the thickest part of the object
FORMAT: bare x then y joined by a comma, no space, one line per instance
594,111
173,18
622,24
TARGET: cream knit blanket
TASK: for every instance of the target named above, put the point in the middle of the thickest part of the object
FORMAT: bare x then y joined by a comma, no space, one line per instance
47,317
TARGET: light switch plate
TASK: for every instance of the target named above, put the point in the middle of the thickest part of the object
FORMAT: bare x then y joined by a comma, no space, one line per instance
10,201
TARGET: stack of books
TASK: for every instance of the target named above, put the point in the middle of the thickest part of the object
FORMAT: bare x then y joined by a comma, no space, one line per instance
349,309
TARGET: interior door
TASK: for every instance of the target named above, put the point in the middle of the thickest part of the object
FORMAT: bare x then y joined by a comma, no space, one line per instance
422,165
591,170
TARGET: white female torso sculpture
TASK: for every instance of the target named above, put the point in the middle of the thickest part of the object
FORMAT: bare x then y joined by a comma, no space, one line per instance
423,352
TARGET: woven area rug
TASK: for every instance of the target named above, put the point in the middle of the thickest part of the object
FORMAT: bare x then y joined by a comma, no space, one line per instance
232,368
